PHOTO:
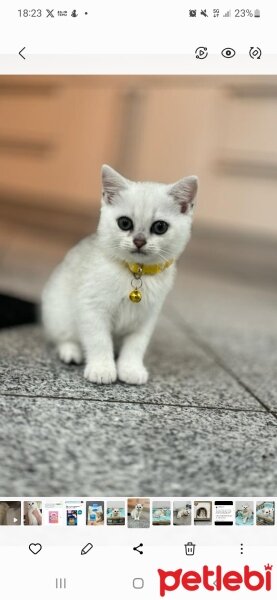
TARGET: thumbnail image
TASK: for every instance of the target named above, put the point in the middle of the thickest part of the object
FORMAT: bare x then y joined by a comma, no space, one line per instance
244,512
161,512
53,513
53,517
138,513
203,512
32,512
71,516
265,513
95,512
224,512
75,512
116,512
10,512
181,512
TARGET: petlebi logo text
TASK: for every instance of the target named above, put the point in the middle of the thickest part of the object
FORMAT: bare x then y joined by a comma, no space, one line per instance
216,579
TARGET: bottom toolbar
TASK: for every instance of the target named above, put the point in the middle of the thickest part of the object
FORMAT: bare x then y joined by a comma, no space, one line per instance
147,548
145,566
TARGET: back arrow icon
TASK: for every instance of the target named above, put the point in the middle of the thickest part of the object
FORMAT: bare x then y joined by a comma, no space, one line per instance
20,53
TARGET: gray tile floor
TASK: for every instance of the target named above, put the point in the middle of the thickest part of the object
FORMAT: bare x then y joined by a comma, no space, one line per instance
206,423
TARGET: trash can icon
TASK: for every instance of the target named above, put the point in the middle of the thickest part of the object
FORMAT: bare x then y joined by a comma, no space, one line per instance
190,548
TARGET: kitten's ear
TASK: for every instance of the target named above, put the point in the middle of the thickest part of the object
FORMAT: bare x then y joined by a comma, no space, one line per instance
184,192
112,183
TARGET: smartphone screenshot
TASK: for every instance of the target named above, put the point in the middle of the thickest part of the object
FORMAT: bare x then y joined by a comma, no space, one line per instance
138,294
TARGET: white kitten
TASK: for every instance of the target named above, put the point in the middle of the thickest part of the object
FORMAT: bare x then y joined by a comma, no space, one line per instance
32,508
246,513
160,512
86,307
183,512
136,512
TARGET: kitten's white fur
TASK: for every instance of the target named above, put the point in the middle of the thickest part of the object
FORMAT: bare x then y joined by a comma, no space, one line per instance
86,310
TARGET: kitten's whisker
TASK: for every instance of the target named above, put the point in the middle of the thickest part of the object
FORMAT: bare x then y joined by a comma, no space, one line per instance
163,255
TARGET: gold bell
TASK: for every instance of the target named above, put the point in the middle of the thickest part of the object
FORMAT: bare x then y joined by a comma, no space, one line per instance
135,296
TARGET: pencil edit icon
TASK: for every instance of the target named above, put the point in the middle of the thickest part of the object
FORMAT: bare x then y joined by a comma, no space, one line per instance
86,549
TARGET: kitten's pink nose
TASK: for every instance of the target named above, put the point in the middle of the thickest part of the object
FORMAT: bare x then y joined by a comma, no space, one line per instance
139,240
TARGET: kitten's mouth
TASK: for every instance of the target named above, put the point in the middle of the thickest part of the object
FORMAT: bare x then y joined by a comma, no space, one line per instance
139,252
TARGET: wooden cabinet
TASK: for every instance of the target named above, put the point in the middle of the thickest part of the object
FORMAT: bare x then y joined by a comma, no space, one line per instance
54,135
224,130
55,132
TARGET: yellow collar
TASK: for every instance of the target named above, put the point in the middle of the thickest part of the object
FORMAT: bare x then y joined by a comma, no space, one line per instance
141,269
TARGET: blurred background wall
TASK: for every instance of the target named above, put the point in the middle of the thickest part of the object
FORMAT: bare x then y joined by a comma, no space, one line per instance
55,132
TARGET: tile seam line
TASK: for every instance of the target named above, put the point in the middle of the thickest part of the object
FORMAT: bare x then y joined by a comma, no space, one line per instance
201,343
196,406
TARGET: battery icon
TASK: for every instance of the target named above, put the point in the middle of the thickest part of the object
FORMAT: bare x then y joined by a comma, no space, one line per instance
257,13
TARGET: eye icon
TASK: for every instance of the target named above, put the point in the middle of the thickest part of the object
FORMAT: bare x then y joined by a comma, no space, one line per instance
228,53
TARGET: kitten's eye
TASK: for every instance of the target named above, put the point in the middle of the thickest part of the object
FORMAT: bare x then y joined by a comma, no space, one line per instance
159,227
125,223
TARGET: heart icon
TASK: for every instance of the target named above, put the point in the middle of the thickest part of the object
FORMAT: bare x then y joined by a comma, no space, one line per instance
35,548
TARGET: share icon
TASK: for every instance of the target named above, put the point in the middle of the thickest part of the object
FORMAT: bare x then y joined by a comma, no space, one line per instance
136,548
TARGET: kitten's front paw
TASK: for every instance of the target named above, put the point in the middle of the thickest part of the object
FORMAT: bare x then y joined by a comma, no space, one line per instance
100,373
133,373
